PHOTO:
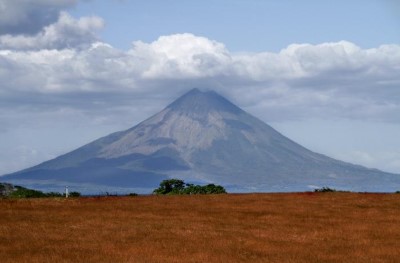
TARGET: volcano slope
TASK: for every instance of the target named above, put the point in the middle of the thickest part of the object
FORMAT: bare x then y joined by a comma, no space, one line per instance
202,137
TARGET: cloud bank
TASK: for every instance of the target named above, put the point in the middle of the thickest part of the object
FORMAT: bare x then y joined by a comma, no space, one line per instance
29,17
65,33
66,66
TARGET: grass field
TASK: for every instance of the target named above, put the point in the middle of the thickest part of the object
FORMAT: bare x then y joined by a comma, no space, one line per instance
303,227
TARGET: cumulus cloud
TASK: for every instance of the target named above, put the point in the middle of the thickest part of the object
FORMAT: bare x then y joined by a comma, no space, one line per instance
182,56
331,79
67,32
64,75
28,16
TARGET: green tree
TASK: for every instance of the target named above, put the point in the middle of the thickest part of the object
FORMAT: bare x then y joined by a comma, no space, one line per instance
192,189
170,186
176,186
214,189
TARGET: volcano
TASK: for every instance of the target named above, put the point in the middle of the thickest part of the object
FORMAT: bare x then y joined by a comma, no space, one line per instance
202,137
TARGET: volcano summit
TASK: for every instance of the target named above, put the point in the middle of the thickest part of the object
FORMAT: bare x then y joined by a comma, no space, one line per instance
202,137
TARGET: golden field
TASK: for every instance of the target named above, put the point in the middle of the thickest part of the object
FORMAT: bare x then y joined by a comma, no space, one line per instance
302,227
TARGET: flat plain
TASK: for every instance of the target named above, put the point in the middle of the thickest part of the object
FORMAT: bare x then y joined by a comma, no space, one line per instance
292,227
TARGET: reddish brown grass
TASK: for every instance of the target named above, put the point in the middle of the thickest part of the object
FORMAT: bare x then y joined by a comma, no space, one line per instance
323,227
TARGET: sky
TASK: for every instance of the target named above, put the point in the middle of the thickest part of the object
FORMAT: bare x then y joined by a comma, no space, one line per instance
325,74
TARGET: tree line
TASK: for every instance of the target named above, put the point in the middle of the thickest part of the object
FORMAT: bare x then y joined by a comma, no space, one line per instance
16,191
179,187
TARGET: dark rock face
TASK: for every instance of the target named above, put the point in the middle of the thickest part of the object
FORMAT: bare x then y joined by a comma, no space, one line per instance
203,137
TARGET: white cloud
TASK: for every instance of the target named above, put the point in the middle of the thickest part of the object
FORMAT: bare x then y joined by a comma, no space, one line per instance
181,56
67,32
335,80
64,75
29,16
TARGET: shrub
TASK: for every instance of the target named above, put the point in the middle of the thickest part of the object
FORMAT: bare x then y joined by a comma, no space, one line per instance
324,190
192,189
16,191
132,194
54,194
74,194
22,192
176,186
214,189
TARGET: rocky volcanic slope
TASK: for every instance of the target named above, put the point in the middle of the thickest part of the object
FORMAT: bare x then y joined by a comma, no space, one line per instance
202,137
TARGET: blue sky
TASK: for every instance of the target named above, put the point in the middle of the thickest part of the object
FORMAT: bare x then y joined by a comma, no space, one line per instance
249,26
323,73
